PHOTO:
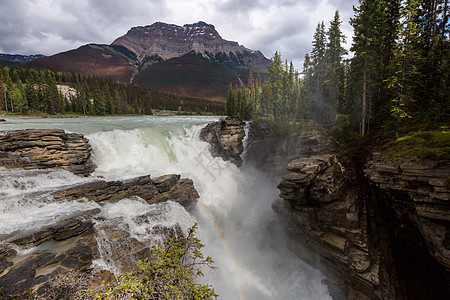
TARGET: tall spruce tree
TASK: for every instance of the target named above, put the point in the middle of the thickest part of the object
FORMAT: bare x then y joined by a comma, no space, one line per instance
334,82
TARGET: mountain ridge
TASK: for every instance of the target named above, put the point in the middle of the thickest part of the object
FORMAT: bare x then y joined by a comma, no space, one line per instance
18,59
167,49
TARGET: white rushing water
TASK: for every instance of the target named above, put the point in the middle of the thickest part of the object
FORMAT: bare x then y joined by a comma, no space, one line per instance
234,213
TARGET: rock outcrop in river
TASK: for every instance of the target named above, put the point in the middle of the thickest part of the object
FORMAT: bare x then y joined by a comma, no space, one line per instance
45,149
157,190
378,229
30,259
73,243
226,139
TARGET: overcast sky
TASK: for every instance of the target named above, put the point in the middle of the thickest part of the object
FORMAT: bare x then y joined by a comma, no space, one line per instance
52,26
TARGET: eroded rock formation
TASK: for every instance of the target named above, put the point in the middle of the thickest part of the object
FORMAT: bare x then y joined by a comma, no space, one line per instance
161,41
226,139
76,241
45,149
157,190
378,229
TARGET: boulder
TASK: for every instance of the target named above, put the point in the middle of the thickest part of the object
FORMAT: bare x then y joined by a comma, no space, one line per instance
226,139
46,149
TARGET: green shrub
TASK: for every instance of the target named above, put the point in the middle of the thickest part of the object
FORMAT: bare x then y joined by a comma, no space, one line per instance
168,273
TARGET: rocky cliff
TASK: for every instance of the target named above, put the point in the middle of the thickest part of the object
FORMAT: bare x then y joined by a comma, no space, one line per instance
377,228
45,149
161,41
226,139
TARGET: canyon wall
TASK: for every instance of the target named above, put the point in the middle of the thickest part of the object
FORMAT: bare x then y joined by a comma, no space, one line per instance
377,228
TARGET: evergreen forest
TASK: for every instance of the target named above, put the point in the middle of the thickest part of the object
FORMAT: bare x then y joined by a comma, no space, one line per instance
26,90
397,73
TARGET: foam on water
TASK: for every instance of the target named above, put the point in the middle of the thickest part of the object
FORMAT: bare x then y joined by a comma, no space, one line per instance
246,241
26,201
236,222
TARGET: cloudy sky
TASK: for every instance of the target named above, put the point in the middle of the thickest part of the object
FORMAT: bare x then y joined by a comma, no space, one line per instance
52,26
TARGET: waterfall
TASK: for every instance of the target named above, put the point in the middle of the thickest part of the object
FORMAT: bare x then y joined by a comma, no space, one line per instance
236,223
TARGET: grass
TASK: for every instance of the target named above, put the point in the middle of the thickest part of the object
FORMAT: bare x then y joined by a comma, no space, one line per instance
423,144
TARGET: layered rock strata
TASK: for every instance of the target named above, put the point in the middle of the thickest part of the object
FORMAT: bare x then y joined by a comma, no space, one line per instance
30,259
326,224
161,41
157,190
378,231
45,149
226,139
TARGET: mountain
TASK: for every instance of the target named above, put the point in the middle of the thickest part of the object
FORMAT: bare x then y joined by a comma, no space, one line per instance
161,41
192,60
17,59
99,60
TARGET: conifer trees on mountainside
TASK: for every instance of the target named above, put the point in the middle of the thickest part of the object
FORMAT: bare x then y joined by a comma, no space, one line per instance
24,90
398,71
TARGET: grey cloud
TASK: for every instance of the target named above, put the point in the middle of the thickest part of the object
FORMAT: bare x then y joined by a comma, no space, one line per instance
61,25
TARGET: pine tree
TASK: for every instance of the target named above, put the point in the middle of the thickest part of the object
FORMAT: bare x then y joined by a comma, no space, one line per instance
334,54
367,64
318,74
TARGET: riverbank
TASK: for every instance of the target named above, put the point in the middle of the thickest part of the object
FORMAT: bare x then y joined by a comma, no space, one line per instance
155,112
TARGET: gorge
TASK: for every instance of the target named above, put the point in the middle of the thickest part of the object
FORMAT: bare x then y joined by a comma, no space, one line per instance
236,222
377,229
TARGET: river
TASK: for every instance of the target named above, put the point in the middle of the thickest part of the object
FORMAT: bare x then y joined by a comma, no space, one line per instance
236,222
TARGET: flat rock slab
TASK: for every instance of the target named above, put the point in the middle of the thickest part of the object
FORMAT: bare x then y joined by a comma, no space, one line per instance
157,190
46,149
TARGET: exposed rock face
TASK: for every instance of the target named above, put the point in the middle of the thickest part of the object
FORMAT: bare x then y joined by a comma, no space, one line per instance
157,190
190,60
378,234
326,224
74,242
71,246
226,139
415,195
161,41
45,149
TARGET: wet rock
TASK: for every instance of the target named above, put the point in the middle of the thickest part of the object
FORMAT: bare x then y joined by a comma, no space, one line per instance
182,192
157,190
226,139
63,230
166,182
373,229
2,120
45,149
4,264
74,243
17,279
110,190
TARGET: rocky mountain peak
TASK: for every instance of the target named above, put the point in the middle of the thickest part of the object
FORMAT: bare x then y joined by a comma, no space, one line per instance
169,40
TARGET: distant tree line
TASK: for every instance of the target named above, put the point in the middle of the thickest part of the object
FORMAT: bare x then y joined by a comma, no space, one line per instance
26,90
399,71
